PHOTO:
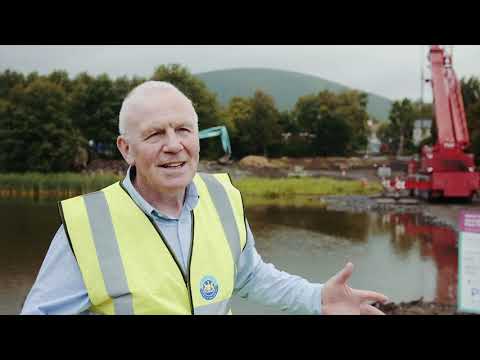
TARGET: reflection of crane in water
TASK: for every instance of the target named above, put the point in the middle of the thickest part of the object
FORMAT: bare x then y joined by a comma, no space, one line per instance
438,243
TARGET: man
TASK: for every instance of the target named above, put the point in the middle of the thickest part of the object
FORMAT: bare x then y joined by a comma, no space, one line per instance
167,240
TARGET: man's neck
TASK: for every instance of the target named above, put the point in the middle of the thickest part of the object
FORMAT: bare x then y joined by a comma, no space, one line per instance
169,203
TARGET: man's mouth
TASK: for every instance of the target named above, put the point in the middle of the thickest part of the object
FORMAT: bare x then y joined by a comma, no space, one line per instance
173,165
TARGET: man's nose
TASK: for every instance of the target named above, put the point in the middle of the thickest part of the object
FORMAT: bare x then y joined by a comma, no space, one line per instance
172,143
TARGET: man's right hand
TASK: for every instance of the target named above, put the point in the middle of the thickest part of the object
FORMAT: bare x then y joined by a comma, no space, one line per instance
340,299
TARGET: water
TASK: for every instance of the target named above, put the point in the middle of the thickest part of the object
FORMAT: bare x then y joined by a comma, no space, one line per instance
394,254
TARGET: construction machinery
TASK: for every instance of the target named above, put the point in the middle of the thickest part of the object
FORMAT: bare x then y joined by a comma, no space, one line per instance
223,133
444,170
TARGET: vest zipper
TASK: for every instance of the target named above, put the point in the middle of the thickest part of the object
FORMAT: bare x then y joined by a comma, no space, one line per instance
185,279
190,261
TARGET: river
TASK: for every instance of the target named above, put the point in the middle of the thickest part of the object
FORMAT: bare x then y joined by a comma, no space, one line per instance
396,254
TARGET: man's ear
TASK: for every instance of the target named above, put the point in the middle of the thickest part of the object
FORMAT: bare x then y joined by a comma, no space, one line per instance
125,149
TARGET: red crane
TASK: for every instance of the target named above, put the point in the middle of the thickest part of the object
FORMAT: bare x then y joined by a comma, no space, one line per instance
445,169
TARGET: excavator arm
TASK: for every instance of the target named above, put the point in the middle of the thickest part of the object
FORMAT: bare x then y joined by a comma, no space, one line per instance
223,133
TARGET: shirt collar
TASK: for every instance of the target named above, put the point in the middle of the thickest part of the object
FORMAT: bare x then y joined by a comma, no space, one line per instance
191,198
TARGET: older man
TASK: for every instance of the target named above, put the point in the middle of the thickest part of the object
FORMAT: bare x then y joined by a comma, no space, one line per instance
166,239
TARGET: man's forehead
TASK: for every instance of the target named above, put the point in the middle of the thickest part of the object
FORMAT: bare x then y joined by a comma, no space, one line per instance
164,102
169,108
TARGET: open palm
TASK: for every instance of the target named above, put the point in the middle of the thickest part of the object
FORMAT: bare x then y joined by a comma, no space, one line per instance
340,299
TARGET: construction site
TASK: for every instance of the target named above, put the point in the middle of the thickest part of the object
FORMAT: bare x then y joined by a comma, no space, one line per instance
408,227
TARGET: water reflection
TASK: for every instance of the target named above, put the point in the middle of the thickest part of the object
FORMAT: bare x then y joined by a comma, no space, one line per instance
409,236
27,229
397,254
436,242
354,226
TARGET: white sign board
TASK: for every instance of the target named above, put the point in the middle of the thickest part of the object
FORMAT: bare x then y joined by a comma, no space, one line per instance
469,262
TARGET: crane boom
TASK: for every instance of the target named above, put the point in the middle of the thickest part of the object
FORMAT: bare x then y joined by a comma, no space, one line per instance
449,108
446,135
458,110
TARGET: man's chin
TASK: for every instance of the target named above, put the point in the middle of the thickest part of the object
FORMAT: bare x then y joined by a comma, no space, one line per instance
174,181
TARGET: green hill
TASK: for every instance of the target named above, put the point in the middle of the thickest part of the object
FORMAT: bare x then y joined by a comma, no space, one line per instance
285,87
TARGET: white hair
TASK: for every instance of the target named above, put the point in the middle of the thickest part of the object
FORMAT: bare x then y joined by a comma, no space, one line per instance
137,96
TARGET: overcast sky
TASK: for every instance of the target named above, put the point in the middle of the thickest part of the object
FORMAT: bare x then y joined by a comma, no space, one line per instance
388,70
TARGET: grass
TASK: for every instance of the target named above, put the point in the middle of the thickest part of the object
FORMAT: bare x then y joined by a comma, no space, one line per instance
265,191
278,188
299,192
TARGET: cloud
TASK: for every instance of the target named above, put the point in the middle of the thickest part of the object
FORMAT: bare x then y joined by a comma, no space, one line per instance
389,70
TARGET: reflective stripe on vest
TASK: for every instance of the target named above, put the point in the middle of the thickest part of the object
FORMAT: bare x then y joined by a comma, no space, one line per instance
223,206
109,257
128,269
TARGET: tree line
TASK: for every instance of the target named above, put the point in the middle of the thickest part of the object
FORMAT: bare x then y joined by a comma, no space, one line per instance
397,134
57,123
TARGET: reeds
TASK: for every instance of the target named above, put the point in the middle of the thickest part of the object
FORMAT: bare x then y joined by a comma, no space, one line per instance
53,185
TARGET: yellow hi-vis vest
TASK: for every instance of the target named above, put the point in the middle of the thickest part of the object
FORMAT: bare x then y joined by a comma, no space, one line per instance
127,266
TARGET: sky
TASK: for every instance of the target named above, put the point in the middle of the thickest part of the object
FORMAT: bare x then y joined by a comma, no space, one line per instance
392,71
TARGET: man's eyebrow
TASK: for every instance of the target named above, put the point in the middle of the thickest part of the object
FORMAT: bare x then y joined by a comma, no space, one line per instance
150,130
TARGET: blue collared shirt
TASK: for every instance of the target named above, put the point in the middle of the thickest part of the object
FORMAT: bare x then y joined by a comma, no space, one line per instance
59,287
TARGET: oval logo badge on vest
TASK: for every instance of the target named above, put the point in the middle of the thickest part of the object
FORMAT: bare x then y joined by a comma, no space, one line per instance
208,287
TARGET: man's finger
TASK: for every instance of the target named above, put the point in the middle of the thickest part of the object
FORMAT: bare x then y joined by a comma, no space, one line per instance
343,275
371,296
366,309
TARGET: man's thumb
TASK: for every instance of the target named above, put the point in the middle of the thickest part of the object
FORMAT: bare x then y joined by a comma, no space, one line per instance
344,274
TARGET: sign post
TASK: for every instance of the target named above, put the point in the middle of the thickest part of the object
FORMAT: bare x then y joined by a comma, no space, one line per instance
469,262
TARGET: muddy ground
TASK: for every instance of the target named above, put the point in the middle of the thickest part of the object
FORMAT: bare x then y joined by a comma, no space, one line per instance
439,213
418,307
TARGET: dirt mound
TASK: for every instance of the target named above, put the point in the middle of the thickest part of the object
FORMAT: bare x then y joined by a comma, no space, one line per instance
418,307
116,166
313,163
253,161
341,163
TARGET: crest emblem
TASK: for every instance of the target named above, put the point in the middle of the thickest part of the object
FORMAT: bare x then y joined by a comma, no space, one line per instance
208,287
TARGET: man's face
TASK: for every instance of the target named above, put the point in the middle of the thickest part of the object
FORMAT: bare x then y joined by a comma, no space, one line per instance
163,143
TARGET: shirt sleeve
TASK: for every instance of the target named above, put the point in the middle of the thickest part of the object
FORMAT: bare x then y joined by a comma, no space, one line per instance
59,288
262,283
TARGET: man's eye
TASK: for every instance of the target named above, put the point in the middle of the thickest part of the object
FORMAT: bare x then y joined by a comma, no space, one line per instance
152,136
183,129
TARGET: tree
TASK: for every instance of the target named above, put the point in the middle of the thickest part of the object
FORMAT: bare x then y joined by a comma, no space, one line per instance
399,134
8,80
265,120
471,99
328,122
96,103
287,122
352,108
36,132
256,120
238,111
61,78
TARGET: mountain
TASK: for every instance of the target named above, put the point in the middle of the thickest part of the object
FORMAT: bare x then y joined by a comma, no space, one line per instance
285,87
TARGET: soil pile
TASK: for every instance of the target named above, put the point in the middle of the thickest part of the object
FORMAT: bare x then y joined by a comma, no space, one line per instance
418,307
